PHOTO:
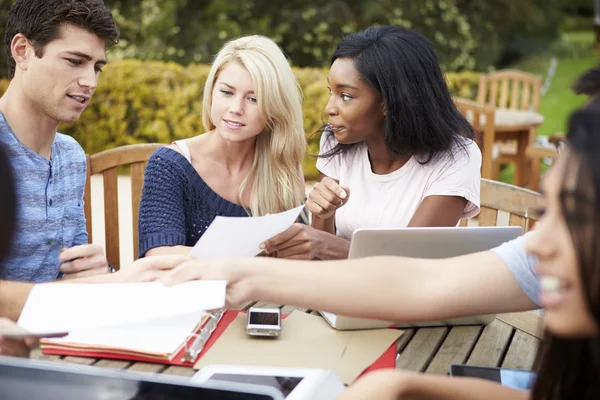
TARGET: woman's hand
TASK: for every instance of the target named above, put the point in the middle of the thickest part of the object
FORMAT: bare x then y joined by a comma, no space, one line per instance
148,269
16,347
326,197
300,242
236,272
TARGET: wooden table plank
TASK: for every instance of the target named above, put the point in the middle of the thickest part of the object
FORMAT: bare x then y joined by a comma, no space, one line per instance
147,367
522,351
492,344
421,349
80,360
526,321
113,364
37,354
403,341
455,349
182,371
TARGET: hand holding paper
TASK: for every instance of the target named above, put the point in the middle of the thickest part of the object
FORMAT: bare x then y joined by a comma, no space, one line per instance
240,237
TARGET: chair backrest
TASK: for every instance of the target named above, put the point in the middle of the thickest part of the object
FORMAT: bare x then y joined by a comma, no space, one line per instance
511,89
516,201
481,118
107,163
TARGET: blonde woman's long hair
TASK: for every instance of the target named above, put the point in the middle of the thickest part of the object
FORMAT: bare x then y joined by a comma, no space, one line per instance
276,173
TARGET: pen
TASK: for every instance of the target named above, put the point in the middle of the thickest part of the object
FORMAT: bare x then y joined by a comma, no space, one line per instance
192,352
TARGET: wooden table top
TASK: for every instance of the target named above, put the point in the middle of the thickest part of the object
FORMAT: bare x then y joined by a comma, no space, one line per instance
429,350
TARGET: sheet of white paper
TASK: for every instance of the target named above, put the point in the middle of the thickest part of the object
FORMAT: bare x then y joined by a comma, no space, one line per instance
240,237
68,307
157,336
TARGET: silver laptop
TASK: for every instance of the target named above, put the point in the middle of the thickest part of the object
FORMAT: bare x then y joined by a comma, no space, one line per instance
34,379
422,243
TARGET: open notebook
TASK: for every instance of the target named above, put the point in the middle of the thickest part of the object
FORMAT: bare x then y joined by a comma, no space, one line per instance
141,321
161,341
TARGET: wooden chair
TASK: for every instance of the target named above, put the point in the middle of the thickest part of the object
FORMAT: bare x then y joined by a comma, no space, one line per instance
107,163
537,153
482,119
501,197
512,90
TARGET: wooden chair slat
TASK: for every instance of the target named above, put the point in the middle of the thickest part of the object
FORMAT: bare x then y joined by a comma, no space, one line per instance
475,112
503,102
514,200
137,183
123,155
525,95
514,96
510,198
111,216
493,92
536,95
488,216
482,90
135,155
517,220
87,199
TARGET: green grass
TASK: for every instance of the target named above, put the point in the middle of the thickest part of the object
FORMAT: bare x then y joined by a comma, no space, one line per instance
558,103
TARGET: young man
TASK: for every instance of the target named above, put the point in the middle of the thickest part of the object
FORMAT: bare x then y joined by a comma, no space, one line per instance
56,52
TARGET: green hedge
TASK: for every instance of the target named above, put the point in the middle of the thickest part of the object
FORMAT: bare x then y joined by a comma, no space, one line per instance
152,101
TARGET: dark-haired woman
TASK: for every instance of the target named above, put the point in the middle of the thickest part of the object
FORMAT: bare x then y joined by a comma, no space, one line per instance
396,152
566,243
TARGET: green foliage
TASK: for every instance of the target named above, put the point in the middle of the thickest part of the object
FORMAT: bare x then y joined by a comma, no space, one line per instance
465,33
508,30
159,102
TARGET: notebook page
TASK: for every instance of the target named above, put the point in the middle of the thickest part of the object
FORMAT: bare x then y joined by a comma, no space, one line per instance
240,237
70,307
163,336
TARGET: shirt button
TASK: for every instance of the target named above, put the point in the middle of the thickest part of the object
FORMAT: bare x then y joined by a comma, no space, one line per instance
50,202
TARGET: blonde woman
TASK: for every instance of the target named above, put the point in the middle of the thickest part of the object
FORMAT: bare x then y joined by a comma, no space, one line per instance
247,163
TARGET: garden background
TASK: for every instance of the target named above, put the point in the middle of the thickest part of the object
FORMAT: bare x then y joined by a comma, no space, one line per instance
151,91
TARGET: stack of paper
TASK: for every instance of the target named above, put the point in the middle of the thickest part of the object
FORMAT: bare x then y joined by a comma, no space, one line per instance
143,320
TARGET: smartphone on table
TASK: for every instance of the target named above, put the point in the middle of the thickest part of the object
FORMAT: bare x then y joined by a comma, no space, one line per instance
263,322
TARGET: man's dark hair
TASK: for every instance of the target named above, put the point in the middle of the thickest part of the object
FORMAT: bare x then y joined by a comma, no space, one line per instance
588,83
40,21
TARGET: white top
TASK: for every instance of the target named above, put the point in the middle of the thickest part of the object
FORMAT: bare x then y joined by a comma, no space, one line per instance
522,265
390,201
185,149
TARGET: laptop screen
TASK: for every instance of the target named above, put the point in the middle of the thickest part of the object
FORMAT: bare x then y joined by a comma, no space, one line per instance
23,379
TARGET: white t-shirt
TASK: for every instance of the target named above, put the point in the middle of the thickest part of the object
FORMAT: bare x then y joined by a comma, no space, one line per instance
522,265
391,200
